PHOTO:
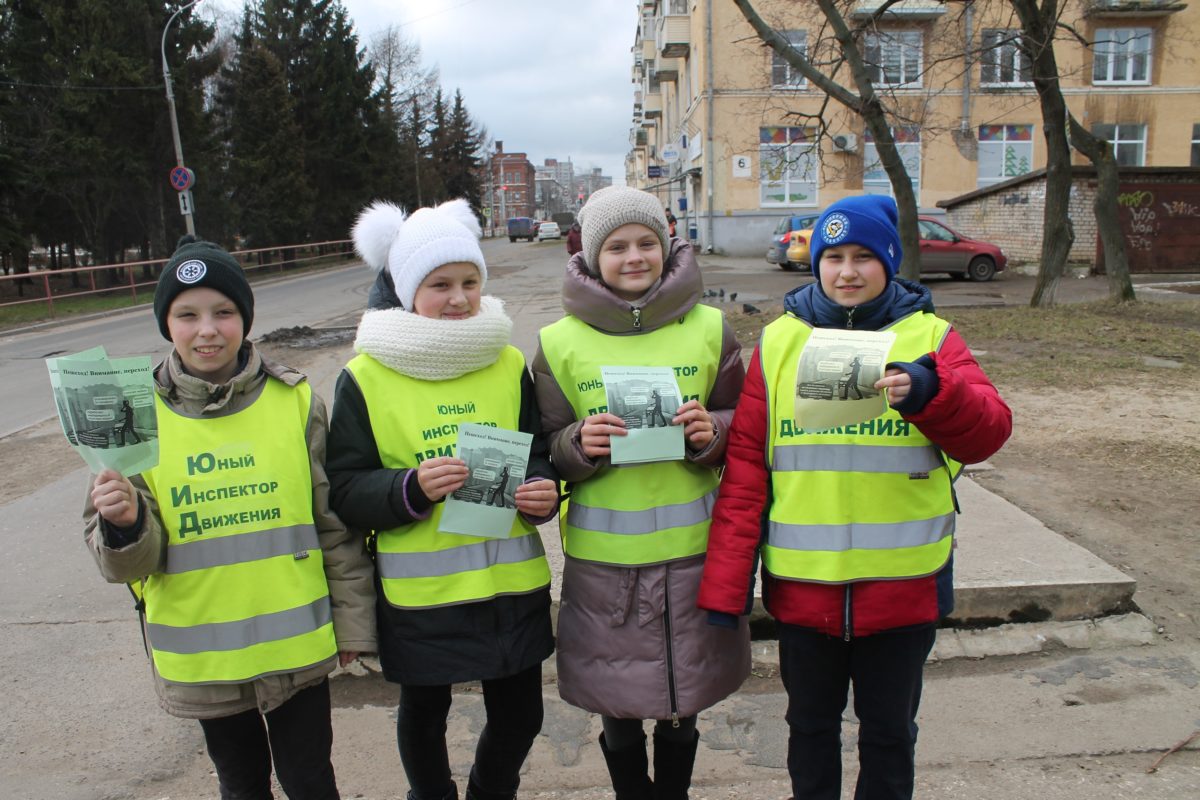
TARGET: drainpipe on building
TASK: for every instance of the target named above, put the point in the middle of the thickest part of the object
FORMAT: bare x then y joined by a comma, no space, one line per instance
968,17
709,174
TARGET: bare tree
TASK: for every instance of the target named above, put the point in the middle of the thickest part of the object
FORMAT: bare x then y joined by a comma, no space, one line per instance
1058,234
398,72
863,99
1039,25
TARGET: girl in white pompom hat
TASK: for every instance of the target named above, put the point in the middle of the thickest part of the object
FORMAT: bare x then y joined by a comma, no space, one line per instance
452,608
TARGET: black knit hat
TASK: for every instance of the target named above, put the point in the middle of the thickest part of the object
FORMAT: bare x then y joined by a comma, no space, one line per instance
196,264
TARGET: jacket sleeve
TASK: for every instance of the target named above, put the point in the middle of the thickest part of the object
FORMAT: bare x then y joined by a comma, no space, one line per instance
723,398
363,493
132,554
560,425
967,418
736,528
348,569
540,466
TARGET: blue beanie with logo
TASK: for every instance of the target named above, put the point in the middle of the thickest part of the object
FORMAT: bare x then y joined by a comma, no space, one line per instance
868,220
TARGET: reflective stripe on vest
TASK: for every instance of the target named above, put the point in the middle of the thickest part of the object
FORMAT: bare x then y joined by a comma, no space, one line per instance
413,420
242,633
858,502
243,591
637,514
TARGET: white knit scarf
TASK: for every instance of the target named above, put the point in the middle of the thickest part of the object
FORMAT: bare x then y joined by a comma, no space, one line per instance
435,349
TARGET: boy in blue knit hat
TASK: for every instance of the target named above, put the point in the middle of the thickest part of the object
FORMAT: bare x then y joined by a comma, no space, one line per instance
860,518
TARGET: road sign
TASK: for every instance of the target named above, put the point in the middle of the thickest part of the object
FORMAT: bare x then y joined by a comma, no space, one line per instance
654,171
487,212
185,202
670,153
182,179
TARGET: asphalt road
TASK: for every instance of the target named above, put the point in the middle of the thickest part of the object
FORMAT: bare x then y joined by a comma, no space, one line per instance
304,300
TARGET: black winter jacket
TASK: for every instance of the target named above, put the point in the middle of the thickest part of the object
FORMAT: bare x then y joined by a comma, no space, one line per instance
483,640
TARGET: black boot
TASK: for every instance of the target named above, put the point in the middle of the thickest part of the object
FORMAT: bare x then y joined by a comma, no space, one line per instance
476,793
630,771
452,794
673,763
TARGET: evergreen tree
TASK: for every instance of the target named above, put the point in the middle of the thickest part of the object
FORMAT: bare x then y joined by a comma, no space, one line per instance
331,88
439,151
85,122
270,196
464,143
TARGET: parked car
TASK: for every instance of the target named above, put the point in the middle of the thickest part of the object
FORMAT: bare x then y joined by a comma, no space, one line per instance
781,237
797,250
942,250
520,228
549,230
945,250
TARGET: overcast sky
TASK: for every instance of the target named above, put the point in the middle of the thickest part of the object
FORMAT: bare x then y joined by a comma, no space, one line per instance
550,78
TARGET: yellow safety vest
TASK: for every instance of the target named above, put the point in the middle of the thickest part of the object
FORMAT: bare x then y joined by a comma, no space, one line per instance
413,420
243,591
858,502
637,514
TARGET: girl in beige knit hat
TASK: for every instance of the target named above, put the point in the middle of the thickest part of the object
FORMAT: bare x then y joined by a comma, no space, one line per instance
632,645
452,608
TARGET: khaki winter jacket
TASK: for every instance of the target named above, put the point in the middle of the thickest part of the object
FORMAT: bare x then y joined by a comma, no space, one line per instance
631,642
348,568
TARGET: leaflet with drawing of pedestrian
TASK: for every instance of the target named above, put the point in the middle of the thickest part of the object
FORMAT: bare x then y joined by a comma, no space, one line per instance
836,375
106,407
496,462
647,399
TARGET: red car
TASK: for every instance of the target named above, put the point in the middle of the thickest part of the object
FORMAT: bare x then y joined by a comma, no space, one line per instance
945,250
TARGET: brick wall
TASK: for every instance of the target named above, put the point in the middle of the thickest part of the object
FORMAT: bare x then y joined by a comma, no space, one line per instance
1010,214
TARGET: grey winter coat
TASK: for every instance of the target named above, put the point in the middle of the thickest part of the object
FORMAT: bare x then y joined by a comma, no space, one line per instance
631,642
125,556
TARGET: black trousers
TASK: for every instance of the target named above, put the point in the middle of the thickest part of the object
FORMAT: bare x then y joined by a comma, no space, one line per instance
514,719
297,737
886,670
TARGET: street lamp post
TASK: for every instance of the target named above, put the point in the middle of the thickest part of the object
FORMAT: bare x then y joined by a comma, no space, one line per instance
185,202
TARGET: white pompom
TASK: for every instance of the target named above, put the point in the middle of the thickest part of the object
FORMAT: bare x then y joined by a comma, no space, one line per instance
460,210
375,231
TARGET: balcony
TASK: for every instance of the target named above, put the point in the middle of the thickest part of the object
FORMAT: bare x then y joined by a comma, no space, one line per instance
637,100
673,36
905,9
667,69
653,105
640,137
1132,9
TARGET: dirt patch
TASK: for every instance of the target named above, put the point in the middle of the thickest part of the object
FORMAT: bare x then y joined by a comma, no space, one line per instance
44,456
1106,433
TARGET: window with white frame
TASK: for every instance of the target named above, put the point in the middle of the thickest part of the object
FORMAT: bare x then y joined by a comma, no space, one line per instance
894,57
1005,151
1122,55
1002,61
1128,141
875,178
1196,144
788,165
678,7
783,74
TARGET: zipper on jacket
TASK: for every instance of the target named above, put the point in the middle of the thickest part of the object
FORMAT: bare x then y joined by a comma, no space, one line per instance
850,316
847,620
670,654
637,318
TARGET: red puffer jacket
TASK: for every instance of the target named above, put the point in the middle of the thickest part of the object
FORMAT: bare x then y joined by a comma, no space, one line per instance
966,418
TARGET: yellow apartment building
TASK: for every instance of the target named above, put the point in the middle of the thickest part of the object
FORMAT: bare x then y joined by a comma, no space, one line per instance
733,138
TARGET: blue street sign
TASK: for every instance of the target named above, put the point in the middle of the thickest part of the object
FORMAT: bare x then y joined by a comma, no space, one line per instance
182,178
653,172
